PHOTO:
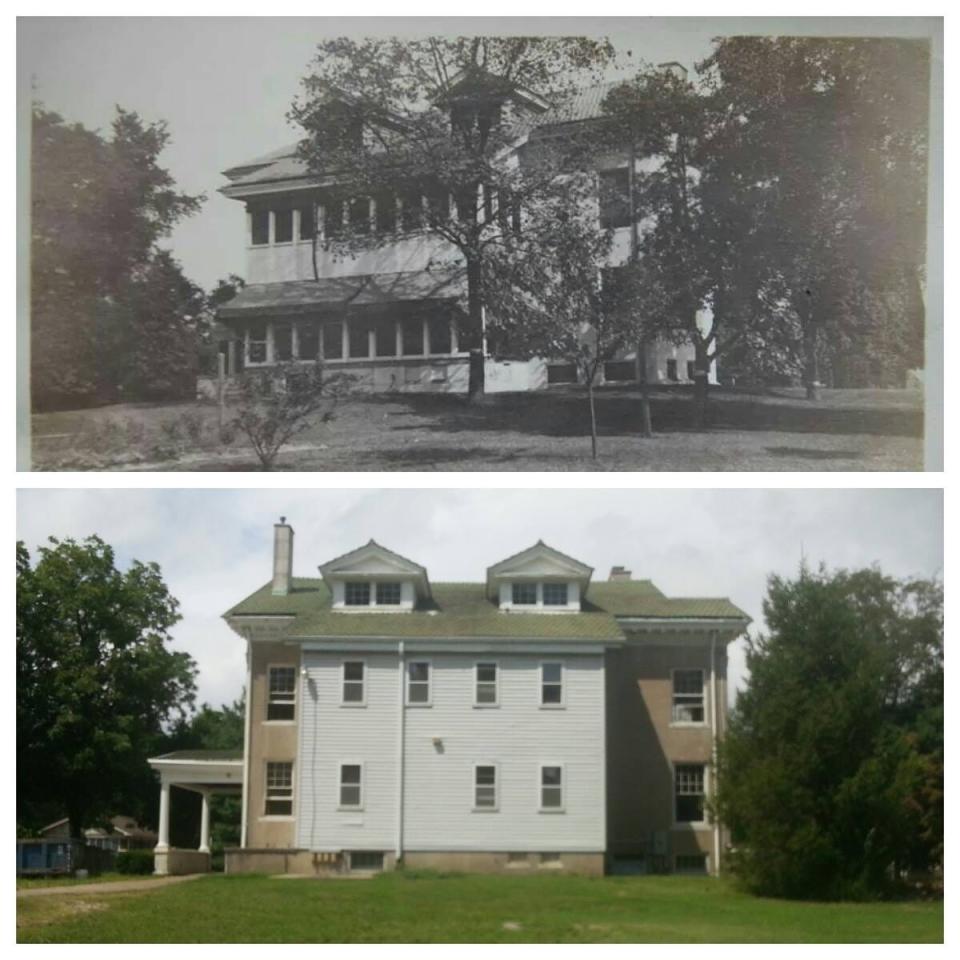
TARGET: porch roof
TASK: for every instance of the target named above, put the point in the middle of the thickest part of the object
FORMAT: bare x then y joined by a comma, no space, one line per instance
307,296
201,769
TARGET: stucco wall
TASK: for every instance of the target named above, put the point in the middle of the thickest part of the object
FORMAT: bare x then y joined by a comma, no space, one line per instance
643,744
269,740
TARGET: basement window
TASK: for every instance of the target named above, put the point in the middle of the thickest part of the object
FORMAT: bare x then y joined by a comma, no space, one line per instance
687,696
279,802
691,863
282,693
366,860
689,792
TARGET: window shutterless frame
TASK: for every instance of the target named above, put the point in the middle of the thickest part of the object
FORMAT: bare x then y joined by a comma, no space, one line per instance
552,683
691,787
281,693
688,699
419,683
486,788
350,786
353,683
486,683
278,789
552,787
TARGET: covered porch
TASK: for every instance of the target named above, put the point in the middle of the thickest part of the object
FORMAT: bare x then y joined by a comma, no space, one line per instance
205,772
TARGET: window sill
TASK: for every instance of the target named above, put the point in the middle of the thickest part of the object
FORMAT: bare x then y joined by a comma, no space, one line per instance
553,706
552,810
419,706
276,818
279,723
485,810
350,809
486,706
695,724
353,706
699,825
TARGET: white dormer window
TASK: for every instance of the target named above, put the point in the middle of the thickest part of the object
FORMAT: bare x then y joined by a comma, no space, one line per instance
356,593
388,594
555,594
524,594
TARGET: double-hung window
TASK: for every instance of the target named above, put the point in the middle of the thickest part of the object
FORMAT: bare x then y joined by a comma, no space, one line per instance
418,682
551,684
554,594
257,343
351,785
388,594
282,693
485,787
356,593
486,685
279,795
687,696
689,792
551,787
524,594
353,677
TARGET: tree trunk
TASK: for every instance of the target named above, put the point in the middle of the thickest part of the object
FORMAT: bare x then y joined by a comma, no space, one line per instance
593,417
811,370
701,384
646,421
476,384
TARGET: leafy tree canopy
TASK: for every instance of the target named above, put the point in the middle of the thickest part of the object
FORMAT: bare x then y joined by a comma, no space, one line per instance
831,773
97,684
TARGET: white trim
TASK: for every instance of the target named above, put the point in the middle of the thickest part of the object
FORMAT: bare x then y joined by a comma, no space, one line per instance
703,697
406,671
563,787
676,824
362,702
296,702
496,787
496,684
351,808
401,738
563,686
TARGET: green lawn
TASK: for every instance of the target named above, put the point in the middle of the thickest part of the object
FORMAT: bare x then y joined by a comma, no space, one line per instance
30,883
435,908
544,430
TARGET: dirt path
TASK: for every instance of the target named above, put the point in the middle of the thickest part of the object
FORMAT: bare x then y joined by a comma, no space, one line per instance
120,886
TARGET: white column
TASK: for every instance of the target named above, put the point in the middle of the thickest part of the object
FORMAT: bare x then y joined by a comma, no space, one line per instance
163,838
205,823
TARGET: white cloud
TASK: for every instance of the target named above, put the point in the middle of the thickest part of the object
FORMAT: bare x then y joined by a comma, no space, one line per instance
215,546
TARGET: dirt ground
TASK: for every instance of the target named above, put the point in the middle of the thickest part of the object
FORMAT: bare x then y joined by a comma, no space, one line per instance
849,430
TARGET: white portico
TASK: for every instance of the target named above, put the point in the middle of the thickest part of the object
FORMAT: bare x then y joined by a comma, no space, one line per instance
205,772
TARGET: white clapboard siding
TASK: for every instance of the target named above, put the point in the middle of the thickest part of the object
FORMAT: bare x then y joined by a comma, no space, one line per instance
332,734
517,736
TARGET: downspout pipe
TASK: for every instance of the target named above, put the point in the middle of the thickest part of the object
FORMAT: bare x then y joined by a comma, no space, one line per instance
714,710
402,670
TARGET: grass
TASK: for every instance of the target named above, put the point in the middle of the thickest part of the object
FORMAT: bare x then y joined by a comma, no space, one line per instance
546,430
30,883
420,907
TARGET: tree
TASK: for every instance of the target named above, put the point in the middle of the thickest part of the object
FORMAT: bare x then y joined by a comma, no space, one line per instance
831,134
274,405
440,120
98,209
556,299
831,772
96,682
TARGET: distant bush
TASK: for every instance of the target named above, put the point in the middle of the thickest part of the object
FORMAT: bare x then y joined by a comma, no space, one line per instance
134,861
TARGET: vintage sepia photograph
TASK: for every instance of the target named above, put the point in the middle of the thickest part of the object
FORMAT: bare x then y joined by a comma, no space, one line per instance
480,716
681,244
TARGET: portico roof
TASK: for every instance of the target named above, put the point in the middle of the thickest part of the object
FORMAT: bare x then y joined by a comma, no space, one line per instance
201,769
308,296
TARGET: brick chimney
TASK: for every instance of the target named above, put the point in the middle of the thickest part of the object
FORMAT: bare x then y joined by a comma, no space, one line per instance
619,573
282,557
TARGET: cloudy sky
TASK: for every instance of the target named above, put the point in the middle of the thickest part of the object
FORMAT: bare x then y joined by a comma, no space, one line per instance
224,85
215,546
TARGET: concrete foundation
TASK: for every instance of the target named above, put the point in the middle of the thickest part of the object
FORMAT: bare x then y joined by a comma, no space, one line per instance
586,864
174,862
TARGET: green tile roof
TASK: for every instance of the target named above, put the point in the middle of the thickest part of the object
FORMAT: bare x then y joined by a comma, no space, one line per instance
462,611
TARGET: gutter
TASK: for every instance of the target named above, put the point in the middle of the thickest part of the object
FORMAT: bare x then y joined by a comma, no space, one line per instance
401,662
714,707
246,750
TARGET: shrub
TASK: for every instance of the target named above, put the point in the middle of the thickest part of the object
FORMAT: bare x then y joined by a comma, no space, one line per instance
134,861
